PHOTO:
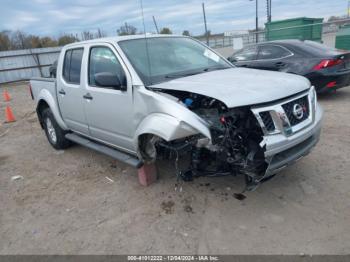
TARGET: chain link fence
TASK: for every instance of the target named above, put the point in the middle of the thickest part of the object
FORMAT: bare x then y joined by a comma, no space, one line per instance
321,32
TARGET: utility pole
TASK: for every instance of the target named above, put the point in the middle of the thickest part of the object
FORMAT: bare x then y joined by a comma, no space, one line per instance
268,10
256,20
348,13
155,24
205,24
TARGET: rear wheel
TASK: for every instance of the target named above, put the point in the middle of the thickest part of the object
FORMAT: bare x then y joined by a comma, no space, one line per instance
54,133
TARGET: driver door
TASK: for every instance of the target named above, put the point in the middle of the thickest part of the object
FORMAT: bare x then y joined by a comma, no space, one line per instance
109,110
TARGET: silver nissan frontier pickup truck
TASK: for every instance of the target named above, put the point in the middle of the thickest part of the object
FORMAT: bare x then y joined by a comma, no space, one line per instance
142,98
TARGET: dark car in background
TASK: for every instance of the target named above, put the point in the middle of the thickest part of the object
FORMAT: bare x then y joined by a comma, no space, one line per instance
327,68
53,69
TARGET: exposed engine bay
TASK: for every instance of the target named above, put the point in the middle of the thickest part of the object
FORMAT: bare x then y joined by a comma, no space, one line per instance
234,148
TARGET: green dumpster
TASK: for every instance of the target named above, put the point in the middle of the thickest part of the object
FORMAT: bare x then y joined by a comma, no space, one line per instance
342,39
302,28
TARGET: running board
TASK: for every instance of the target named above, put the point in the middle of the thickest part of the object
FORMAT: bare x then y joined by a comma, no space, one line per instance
114,153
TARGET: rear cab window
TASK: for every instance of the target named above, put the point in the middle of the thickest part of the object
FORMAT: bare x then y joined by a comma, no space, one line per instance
72,65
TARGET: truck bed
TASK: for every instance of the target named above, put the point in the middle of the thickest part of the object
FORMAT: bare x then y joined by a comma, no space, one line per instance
39,83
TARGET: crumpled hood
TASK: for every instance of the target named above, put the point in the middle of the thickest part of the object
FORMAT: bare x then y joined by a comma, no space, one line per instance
240,86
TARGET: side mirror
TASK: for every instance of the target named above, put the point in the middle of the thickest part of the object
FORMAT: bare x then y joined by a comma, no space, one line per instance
107,79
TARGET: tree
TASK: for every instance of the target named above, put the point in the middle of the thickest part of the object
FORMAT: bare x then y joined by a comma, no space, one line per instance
127,30
186,33
100,33
5,42
165,31
20,40
66,39
87,35
48,42
35,41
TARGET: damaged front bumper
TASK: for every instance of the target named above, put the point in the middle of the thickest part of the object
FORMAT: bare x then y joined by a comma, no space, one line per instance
283,151
288,143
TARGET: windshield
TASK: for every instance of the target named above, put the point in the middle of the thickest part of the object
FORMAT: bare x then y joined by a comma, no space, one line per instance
170,57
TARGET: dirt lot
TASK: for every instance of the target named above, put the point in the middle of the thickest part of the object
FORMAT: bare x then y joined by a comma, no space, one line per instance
65,204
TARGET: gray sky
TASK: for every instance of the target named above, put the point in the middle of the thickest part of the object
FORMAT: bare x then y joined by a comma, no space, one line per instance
53,17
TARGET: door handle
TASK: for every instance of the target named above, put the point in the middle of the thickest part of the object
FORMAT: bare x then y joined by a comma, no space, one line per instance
62,92
88,96
243,65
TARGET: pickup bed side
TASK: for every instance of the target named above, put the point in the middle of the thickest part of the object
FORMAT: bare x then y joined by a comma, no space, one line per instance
44,92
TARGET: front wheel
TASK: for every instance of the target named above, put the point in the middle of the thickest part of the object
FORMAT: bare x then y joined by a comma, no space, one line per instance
54,133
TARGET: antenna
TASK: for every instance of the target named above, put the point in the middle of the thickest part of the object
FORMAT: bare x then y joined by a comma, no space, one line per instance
146,44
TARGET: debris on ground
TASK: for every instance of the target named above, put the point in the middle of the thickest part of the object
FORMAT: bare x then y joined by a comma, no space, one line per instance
4,133
168,206
178,188
30,116
110,179
188,209
184,234
59,152
239,196
14,178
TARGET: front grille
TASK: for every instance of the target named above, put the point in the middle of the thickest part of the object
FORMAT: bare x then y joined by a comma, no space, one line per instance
289,108
267,120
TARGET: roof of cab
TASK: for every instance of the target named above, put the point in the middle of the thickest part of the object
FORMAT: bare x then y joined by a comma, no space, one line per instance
116,39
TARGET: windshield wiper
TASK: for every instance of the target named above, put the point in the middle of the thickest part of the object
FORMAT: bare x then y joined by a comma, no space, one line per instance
214,68
196,73
181,75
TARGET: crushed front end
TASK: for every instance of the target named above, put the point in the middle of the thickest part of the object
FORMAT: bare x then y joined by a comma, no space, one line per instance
254,141
291,127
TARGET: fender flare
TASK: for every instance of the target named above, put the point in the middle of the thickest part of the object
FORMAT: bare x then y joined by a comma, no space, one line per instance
46,96
166,127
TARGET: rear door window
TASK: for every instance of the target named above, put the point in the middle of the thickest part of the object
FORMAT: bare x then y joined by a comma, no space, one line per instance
272,52
248,53
72,65
66,65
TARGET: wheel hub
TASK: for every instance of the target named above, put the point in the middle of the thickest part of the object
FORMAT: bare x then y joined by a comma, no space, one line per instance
51,130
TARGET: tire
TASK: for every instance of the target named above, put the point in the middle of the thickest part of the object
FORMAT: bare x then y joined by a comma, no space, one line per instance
54,133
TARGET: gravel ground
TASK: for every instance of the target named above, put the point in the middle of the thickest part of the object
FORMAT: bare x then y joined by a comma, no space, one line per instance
65,204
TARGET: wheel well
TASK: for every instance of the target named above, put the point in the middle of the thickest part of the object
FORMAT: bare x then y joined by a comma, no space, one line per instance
39,110
146,147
